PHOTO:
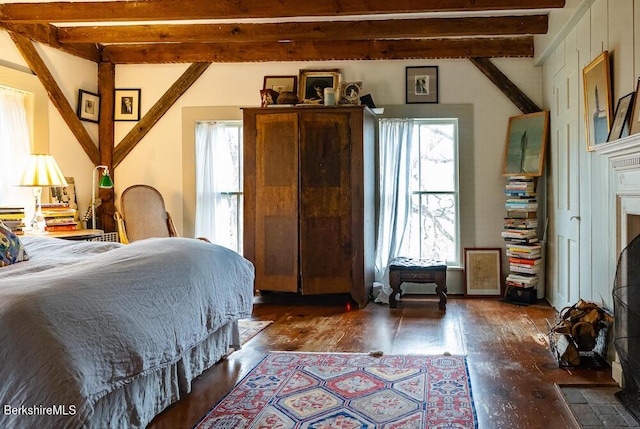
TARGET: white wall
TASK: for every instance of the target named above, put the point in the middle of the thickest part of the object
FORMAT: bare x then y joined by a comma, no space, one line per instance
157,160
592,27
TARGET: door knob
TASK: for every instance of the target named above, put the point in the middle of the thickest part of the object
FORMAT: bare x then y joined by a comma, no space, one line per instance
574,217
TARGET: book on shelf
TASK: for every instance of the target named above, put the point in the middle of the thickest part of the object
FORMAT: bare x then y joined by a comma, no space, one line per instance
522,279
524,269
519,193
519,233
525,205
519,223
524,261
54,228
515,254
522,214
59,220
524,240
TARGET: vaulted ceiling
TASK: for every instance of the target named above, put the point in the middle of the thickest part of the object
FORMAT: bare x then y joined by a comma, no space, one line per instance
191,31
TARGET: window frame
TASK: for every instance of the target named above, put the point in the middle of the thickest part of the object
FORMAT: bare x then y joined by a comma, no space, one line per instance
464,113
456,193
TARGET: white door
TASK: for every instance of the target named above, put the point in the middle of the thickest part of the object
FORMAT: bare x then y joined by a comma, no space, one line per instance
564,242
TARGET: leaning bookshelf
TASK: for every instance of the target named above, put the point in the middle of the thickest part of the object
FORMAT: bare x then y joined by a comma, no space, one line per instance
523,247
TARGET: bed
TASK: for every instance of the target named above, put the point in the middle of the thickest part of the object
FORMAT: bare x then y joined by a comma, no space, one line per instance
98,334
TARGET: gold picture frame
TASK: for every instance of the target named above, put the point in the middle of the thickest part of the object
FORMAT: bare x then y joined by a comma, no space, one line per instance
597,100
313,82
483,272
526,143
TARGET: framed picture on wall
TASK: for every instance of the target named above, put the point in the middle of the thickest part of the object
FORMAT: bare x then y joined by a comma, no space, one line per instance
634,120
126,105
597,100
620,125
422,84
526,143
88,106
483,272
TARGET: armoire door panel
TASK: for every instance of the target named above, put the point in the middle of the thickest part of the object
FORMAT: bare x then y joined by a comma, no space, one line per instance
325,257
325,204
276,203
279,249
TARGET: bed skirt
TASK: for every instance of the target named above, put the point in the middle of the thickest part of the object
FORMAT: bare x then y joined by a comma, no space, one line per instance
137,403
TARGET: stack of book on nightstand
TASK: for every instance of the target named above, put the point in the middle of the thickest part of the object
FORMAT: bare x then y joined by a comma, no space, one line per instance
522,244
59,217
13,218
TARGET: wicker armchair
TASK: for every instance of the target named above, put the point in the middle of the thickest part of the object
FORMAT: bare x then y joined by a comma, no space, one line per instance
143,215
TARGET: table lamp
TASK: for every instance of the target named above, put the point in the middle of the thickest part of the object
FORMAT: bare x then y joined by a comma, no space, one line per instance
105,182
41,170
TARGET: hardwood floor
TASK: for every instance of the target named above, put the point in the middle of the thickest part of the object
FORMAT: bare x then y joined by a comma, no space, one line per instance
512,370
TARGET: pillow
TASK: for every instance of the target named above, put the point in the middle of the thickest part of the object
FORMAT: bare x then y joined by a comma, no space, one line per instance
11,248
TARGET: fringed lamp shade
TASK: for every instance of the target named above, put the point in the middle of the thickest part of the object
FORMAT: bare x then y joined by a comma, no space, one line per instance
39,171
42,170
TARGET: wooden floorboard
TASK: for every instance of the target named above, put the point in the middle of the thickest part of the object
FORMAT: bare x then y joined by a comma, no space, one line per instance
512,370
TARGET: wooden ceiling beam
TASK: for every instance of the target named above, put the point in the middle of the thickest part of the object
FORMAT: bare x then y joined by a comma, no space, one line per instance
346,30
318,51
504,84
158,110
158,10
57,97
48,35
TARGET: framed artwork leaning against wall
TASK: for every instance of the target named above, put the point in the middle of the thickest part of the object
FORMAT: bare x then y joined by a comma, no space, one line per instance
597,100
526,143
483,272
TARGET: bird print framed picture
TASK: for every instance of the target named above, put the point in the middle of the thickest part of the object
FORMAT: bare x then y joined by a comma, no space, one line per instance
526,142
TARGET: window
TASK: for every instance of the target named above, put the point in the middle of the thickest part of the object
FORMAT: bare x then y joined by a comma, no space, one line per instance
14,147
432,227
219,183
419,201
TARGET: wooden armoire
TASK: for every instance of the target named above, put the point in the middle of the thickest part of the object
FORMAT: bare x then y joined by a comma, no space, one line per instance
309,209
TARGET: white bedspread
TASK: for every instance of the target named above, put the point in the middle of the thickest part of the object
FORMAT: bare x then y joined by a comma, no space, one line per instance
81,319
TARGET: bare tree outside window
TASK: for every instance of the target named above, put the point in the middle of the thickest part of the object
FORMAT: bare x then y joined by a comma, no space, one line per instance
433,222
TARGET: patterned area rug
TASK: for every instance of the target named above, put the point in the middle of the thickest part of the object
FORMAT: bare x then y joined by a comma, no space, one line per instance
249,328
349,391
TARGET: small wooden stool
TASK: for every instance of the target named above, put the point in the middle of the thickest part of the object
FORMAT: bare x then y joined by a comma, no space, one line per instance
404,269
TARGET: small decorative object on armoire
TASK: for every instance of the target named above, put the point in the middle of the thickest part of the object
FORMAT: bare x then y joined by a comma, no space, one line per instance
350,93
308,199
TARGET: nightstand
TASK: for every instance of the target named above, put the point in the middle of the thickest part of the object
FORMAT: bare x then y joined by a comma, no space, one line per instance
78,234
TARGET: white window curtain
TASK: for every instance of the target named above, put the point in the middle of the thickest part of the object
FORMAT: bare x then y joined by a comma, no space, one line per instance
395,200
14,147
210,181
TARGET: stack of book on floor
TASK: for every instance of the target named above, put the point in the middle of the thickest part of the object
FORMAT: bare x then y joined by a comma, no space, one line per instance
521,239
59,217
13,218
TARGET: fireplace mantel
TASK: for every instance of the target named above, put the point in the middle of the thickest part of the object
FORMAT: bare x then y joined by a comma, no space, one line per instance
622,153
623,199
